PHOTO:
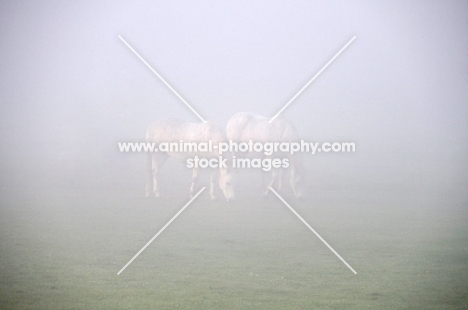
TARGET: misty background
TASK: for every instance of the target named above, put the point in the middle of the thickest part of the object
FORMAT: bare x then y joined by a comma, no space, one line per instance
70,89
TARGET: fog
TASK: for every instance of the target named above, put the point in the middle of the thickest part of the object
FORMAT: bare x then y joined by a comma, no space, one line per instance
71,90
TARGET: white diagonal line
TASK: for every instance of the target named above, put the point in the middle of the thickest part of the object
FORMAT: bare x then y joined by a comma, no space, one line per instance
315,76
308,226
163,80
159,232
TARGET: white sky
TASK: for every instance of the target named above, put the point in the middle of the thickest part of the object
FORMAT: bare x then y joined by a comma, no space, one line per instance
70,89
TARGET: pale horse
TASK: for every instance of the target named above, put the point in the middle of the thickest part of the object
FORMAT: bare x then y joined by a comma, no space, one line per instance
245,126
174,131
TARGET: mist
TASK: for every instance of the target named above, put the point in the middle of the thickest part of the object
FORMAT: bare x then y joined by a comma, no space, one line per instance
71,90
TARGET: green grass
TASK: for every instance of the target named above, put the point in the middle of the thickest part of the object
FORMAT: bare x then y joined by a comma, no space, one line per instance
62,249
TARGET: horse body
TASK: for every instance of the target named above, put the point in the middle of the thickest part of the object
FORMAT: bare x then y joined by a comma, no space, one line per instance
174,131
245,126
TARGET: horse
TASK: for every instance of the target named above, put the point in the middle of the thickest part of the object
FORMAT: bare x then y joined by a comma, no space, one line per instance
174,131
245,126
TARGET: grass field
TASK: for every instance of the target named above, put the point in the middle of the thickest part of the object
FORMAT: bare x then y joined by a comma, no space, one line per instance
377,90
62,249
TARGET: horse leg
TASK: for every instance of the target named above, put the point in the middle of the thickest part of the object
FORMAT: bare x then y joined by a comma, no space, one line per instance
280,179
213,180
264,178
295,186
157,162
155,168
274,180
149,174
195,176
